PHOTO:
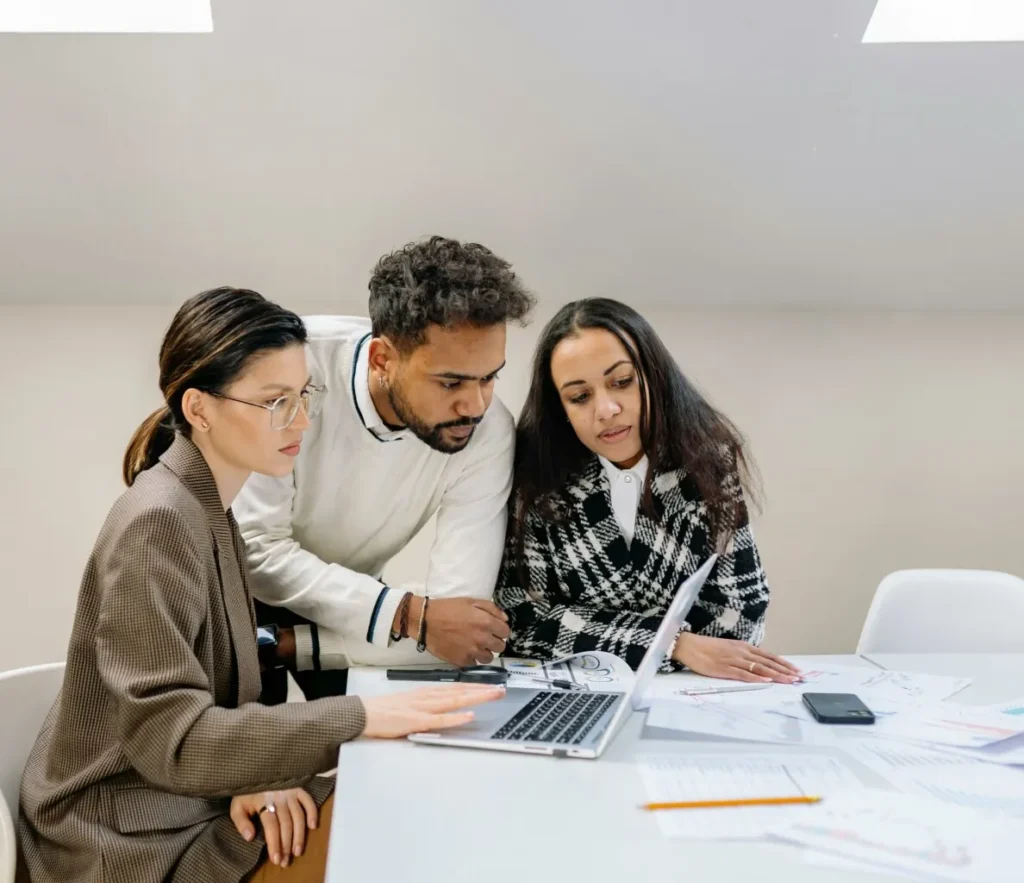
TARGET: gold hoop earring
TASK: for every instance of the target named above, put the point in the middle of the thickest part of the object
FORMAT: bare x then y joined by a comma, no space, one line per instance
206,425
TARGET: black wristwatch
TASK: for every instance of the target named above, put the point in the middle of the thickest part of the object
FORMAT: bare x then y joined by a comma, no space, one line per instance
266,646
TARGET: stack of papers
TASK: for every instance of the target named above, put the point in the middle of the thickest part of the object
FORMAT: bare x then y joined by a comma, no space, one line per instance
1004,752
956,808
907,707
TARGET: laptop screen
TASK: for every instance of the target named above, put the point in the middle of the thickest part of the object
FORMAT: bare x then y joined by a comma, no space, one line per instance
667,632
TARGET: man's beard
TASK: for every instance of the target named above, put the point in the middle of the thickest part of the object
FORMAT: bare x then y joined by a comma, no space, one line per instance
432,436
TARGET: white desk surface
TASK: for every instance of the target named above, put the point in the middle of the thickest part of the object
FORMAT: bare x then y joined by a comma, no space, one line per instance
443,815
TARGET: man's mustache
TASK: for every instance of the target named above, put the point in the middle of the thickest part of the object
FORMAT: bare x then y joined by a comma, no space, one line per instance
465,421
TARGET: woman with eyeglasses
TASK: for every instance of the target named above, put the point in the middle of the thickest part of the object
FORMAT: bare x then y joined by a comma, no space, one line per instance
156,761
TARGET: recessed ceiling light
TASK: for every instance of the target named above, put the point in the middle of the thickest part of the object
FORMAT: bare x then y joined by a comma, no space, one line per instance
106,16
946,21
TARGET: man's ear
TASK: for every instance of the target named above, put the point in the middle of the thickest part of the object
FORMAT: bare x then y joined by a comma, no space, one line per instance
383,358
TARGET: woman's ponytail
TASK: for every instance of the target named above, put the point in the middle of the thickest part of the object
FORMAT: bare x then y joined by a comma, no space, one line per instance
151,439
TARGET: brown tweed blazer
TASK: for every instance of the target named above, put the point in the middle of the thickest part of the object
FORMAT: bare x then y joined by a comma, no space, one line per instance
157,724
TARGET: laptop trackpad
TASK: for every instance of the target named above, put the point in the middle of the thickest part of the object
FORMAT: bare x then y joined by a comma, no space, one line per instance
491,715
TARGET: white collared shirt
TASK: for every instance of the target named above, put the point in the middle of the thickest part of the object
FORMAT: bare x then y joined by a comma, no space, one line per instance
627,487
317,541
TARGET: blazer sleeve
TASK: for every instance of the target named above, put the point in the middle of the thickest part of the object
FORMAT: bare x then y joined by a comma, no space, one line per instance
544,621
152,613
734,600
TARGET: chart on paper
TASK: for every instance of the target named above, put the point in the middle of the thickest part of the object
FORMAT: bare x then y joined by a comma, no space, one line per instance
912,834
899,687
1014,707
951,778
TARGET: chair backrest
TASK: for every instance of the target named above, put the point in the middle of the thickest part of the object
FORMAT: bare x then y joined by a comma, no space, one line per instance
8,845
26,695
945,611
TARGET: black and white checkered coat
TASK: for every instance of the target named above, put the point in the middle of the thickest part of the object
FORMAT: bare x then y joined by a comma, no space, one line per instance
588,590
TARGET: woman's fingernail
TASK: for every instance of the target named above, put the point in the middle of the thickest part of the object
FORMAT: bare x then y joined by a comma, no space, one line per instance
247,835
276,859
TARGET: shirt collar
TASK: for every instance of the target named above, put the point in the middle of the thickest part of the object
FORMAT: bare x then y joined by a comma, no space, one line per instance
639,471
364,401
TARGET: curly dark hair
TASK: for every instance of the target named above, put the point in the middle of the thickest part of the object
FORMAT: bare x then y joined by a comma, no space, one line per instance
443,282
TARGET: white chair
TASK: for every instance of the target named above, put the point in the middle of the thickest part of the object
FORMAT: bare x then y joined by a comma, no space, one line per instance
945,611
26,695
8,845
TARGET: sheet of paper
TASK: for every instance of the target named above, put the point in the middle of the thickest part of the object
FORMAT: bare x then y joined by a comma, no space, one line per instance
827,860
951,778
1014,707
879,688
912,834
1009,752
947,723
731,776
598,671
715,716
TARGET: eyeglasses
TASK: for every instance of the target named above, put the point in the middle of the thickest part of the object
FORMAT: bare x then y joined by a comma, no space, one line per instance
284,409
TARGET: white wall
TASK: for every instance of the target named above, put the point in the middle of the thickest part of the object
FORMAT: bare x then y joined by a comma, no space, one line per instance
885,440
746,153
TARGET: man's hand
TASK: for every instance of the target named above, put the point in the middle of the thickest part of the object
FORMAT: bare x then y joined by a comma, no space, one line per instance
284,653
462,631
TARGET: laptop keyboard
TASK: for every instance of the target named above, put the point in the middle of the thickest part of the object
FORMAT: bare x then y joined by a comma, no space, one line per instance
566,718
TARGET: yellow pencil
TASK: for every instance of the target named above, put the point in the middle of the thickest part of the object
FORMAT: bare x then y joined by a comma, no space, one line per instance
715,804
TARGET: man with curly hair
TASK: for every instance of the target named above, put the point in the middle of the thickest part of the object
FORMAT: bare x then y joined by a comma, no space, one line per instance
410,428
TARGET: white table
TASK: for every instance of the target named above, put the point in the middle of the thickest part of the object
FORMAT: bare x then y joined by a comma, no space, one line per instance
427,814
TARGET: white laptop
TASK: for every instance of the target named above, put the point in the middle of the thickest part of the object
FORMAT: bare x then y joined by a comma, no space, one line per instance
573,723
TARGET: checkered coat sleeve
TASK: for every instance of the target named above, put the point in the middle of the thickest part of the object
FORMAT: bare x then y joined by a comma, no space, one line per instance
579,587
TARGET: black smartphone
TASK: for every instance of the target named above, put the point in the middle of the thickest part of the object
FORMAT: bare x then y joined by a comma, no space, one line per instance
838,708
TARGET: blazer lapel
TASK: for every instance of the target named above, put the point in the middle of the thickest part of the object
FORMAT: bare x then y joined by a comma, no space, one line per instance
185,460
593,497
243,620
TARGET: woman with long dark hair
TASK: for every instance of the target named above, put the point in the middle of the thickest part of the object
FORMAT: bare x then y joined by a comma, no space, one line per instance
157,762
626,480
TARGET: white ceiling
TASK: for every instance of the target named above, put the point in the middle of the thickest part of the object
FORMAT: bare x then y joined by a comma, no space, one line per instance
674,152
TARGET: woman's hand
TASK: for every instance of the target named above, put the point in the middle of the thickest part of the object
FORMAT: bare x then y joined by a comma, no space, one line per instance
284,816
736,660
429,708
